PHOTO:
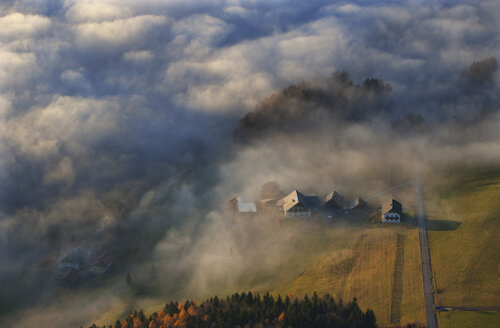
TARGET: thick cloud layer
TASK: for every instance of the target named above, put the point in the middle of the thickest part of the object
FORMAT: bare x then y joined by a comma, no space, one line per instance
107,107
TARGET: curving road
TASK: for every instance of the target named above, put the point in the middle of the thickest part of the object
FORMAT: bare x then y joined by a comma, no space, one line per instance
424,250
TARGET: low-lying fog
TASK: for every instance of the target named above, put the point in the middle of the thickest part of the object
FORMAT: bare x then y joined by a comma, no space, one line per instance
124,128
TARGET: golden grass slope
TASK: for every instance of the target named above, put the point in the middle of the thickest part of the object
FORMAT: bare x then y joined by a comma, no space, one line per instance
468,319
464,226
358,261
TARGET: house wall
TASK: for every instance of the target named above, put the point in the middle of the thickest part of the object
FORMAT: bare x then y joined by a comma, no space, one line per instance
99,270
67,265
391,217
333,204
306,213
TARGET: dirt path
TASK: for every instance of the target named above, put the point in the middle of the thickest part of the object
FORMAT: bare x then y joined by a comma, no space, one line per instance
424,251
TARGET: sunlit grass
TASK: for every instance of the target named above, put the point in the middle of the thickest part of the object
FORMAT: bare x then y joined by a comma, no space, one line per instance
468,319
465,250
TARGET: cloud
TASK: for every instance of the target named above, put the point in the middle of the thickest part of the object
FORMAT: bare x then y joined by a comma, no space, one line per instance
41,131
348,9
76,79
96,11
62,172
18,25
109,108
127,31
242,69
142,55
16,68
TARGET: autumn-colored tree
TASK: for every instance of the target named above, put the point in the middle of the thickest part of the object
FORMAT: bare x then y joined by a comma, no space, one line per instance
168,320
182,315
248,310
192,311
138,323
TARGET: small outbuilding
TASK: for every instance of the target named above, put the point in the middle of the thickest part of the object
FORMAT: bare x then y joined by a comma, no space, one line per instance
245,207
236,206
392,211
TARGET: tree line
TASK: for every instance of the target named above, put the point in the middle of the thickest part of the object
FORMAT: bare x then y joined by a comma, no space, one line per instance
254,310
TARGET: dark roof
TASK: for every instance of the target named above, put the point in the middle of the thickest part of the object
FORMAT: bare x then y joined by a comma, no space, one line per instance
73,256
296,197
312,201
358,202
334,198
392,206
102,261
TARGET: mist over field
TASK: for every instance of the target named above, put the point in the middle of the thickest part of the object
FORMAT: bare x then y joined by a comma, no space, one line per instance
128,125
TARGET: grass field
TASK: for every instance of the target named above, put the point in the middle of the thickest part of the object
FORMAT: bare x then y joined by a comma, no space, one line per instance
468,319
352,260
464,218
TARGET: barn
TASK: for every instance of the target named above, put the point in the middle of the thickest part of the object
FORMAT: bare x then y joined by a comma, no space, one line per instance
296,204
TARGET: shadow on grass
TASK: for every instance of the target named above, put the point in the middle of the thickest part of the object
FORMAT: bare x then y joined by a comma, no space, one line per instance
442,225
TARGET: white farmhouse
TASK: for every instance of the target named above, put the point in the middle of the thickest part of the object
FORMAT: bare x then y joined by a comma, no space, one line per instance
392,211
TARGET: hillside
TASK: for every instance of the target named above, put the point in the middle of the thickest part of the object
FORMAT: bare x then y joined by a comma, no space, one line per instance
464,225
362,261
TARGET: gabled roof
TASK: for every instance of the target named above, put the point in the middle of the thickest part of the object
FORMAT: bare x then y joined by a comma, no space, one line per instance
102,261
392,206
335,196
358,202
73,256
296,197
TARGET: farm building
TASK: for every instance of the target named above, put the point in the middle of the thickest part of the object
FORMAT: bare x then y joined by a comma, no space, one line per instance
245,207
334,200
101,264
71,260
236,206
296,204
357,204
392,211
